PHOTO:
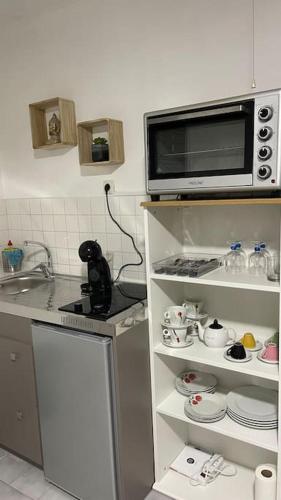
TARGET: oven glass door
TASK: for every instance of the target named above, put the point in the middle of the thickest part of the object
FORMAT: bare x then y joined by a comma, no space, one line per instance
204,143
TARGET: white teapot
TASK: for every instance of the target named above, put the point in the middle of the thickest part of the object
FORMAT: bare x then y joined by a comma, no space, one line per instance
216,335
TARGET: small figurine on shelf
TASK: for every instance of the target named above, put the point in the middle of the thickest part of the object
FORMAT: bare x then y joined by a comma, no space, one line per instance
54,130
100,150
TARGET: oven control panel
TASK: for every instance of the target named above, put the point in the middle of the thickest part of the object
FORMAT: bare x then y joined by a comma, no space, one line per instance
266,170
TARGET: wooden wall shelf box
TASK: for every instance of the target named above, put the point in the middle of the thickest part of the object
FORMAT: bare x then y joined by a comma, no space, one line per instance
114,134
39,126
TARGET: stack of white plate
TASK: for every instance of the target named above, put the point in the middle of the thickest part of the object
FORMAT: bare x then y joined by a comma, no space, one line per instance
205,408
254,407
193,382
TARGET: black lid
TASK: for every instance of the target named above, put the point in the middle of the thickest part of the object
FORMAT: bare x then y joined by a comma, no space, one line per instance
215,325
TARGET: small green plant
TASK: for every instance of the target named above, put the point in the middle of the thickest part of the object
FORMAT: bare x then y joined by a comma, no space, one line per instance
99,140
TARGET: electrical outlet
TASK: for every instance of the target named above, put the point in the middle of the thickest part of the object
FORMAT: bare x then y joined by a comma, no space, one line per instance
112,187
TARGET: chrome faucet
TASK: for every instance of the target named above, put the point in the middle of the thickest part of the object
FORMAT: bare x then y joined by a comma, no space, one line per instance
47,269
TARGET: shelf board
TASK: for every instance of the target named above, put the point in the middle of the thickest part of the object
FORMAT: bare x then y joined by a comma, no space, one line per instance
108,163
178,487
211,202
219,277
57,145
173,406
200,353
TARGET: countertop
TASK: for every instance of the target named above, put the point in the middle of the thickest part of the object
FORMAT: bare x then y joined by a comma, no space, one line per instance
42,303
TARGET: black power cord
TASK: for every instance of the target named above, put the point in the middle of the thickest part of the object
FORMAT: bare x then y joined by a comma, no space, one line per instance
106,189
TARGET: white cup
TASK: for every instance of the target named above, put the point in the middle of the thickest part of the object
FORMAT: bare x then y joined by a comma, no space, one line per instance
192,307
175,336
175,315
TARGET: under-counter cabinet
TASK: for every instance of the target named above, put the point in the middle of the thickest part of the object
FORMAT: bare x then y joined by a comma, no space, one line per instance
242,302
19,424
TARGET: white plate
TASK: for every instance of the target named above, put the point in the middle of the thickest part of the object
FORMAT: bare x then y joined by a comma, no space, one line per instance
209,407
273,421
254,402
268,423
183,391
259,356
253,426
178,346
259,346
206,418
206,421
229,358
218,417
201,382
191,391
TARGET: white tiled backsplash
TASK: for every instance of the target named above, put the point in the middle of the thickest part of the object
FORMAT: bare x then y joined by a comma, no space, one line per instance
64,223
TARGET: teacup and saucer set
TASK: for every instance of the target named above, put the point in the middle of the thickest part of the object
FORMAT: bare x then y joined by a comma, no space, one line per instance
237,353
176,328
250,343
269,354
195,314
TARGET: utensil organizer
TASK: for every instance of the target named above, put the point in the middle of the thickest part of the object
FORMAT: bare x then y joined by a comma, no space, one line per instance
243,302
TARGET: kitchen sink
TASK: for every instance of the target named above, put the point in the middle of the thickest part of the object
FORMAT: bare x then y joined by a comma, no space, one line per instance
16,285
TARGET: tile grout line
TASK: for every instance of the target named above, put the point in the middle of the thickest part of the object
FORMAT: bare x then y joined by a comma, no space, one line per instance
15,489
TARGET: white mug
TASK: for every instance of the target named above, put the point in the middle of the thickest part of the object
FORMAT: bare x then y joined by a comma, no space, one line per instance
175,315
192,306
175,336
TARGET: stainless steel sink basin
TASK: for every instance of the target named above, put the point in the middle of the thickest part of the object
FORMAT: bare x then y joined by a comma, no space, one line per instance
21,284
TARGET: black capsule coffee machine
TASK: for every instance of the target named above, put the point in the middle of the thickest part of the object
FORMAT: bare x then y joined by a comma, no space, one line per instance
99,286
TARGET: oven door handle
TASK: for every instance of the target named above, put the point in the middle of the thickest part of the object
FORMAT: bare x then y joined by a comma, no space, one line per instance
199,114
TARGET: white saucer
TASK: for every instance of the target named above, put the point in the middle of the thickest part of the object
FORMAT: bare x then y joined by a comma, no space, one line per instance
175,346
176,327
267,360
259,346
229,358
198,317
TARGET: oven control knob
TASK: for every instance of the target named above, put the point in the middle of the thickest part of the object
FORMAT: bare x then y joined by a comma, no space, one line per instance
265,133
265,113
264,172
78,308
265,152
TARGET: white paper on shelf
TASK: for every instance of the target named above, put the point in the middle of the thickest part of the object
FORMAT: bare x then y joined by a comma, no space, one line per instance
190,461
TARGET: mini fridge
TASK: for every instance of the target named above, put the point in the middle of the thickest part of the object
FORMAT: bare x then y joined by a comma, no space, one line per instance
75,386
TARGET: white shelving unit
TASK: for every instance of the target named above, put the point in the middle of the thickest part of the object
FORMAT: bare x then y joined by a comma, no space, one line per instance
242,302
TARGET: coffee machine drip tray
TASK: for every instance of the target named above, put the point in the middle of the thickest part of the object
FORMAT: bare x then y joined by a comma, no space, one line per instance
123,296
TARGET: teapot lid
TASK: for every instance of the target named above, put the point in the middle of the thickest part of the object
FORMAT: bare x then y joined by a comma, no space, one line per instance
215,325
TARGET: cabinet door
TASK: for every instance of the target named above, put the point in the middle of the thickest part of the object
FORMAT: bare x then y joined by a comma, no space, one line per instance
19,426
15,328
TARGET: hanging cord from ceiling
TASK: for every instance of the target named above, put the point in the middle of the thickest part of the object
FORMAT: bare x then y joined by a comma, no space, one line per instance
127,234
253,45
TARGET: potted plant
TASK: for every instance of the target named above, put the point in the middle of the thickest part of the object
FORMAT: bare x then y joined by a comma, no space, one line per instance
100,150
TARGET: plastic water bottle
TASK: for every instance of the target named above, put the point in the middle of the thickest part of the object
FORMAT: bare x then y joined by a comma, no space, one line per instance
257,262
267,255
235,260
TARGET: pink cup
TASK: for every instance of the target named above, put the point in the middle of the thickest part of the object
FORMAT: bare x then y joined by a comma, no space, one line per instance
271,352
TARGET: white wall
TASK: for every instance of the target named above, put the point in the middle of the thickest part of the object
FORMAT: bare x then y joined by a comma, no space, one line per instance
120,58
